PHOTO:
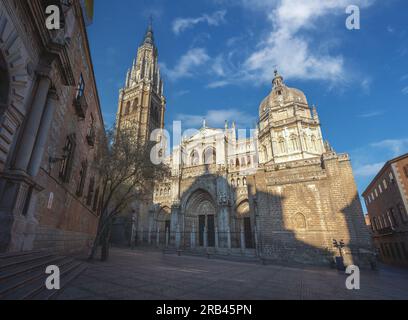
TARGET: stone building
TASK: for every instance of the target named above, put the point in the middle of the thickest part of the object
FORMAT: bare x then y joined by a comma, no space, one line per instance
280,193
50,129
386,198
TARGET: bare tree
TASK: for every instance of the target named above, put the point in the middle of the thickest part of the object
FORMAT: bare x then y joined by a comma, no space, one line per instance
126,173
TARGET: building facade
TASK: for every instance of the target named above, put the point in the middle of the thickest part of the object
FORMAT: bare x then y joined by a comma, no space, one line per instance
386,198
281,193
51,127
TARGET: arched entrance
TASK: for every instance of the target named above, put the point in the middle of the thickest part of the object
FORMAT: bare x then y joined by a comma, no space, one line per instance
244,224
201,218
163,222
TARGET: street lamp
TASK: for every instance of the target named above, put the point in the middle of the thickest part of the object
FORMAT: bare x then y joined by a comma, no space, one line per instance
339,260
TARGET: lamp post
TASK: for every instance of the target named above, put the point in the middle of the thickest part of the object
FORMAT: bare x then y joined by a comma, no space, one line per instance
339,260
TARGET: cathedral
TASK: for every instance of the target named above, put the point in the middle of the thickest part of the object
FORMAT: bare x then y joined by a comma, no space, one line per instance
281,194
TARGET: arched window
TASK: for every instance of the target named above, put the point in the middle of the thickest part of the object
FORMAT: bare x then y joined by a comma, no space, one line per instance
282,145
209,156
238,182
4,84
305,144
294,142
194,158
299,221
244,181
135,104
127,109
237,164
249,160
314,145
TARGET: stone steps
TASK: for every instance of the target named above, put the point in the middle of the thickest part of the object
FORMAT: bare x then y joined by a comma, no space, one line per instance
231,255
22,276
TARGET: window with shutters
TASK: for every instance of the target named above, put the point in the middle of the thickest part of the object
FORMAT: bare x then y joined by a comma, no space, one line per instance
68,158
82,177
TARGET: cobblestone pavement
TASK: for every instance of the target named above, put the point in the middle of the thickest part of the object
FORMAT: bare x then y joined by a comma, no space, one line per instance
147,275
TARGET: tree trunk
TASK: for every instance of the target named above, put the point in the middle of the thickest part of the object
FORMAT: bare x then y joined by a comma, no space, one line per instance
98,239
94,247
106,243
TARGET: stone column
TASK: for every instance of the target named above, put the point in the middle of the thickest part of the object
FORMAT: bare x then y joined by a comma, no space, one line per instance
256,237
223,226
228,238
193,237
178,238
149,234
216,238
242,239
205,238
167,237
158,237
175,221
141,236
43,132
33,123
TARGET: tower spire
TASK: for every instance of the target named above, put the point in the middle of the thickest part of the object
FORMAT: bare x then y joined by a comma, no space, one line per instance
149,37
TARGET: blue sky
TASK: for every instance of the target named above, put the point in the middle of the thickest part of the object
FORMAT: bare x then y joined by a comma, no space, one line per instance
218,57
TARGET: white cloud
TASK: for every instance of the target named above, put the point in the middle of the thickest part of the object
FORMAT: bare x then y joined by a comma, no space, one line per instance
368,170
181,93
366,85
371,114
216,118
218,84
369,159
405,90
396,146
185,67
215,19
285,46
218,66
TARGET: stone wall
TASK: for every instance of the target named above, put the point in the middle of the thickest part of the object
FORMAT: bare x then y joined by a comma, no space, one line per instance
302,209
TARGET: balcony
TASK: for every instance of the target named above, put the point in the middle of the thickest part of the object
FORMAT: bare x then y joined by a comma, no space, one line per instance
81,106
385,231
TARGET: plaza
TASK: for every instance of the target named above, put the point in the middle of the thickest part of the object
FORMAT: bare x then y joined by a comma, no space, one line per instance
151,275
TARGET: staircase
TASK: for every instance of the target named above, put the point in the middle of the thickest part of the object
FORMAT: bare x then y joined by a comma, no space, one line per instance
249,255
22,275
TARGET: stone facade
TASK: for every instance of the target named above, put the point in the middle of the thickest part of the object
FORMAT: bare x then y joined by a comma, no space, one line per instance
387,201
282,194
50,128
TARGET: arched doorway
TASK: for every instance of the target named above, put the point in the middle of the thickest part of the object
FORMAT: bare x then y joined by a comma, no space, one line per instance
4,84
244,223
163,222
201,218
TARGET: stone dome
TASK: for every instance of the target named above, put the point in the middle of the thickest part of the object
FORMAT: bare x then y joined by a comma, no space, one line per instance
281,95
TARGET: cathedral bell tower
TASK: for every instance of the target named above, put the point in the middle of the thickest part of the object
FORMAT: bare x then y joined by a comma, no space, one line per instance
141,101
